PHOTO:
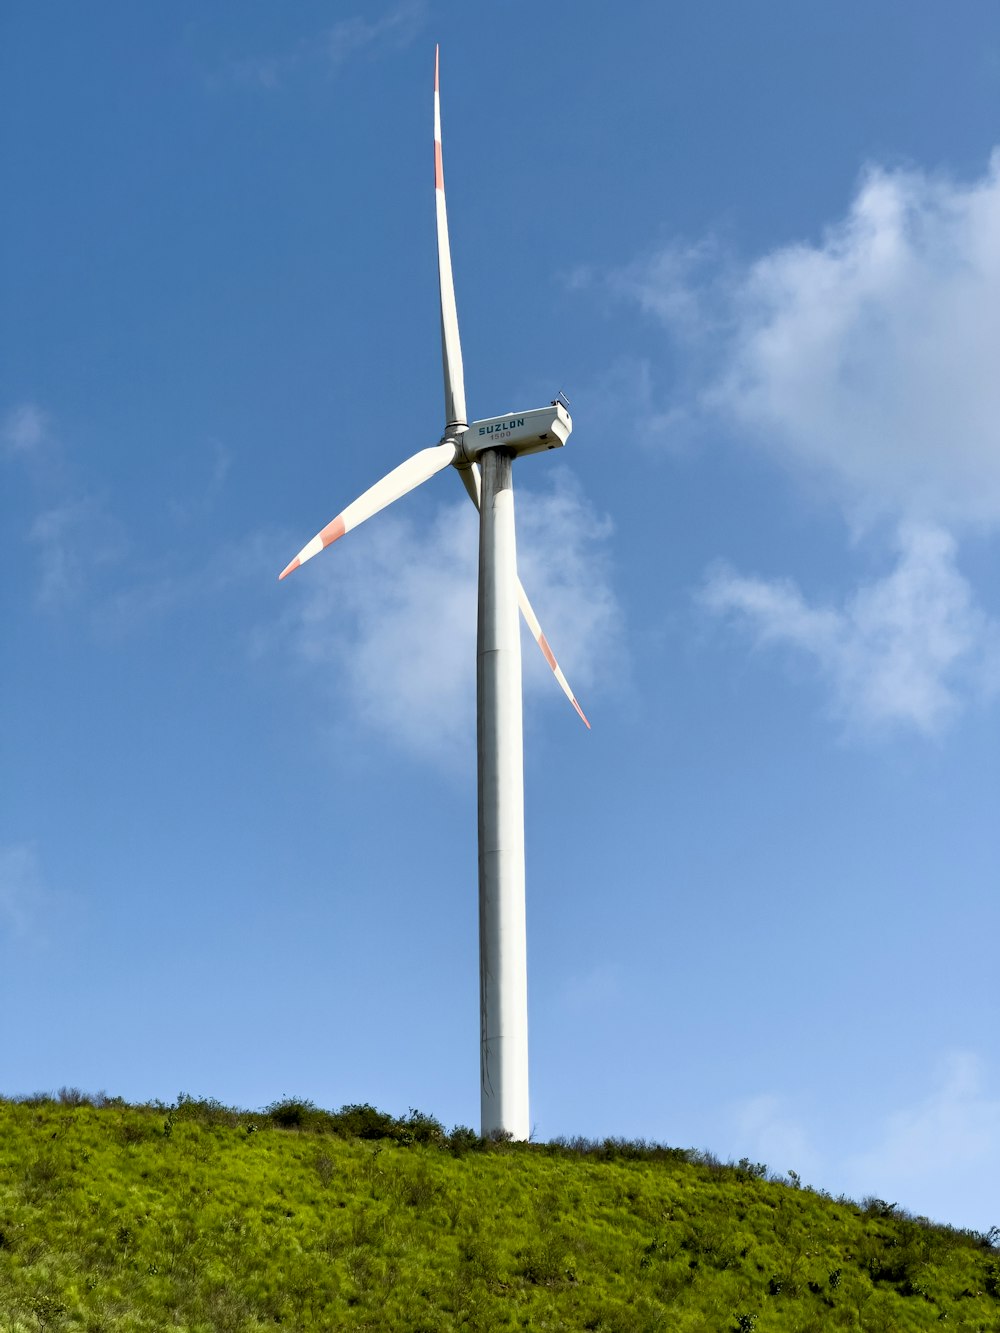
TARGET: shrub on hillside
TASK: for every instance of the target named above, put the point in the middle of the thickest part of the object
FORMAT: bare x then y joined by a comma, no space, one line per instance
292,1113
364,1121
207,1110
422,1128
462,1139
872,1207
73,1097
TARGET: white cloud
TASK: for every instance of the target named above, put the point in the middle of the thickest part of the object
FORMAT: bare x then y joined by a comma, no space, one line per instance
565,566
393,613
942,1148
390,616
903,650
24,428
868,359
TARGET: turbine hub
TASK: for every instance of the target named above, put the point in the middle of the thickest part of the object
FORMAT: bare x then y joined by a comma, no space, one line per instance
456,433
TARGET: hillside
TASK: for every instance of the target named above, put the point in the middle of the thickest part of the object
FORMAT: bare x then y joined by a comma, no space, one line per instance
202,1218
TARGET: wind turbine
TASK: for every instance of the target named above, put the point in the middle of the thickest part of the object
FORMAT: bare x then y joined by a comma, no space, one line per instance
482,454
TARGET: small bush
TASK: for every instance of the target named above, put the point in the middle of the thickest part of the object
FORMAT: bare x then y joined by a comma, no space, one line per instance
206,1110
42,1178
423,1128
291,1113
132,1132
417,1190
73,1097
46,1309
479,1257
872,1207
546,1264
363,1121
462,1139
747,1170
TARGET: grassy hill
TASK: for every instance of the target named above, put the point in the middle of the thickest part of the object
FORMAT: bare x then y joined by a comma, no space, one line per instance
199,1217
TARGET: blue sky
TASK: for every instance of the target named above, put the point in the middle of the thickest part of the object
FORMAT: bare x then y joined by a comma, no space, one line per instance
759,248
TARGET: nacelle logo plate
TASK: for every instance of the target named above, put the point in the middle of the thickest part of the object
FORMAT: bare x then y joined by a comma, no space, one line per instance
507,424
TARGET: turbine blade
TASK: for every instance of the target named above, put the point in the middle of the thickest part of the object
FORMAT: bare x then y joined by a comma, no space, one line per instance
531,620
451,345
401,479
471,482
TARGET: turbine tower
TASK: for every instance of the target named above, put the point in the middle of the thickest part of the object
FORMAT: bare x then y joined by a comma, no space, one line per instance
483,454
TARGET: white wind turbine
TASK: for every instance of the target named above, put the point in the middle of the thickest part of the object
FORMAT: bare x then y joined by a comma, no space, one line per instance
482,453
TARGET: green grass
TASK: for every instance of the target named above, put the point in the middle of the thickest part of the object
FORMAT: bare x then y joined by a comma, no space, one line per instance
201,1218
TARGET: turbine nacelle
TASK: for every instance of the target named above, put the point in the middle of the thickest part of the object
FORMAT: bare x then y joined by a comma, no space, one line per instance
519,433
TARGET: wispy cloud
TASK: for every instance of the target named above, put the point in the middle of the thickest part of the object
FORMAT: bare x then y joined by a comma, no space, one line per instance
396,27
215,470
389,619
160,587
627,402
930,1157
23,430
768,1129
941,1147
73,541
23,895
79,543
69,530
904,650
330,49
682,285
